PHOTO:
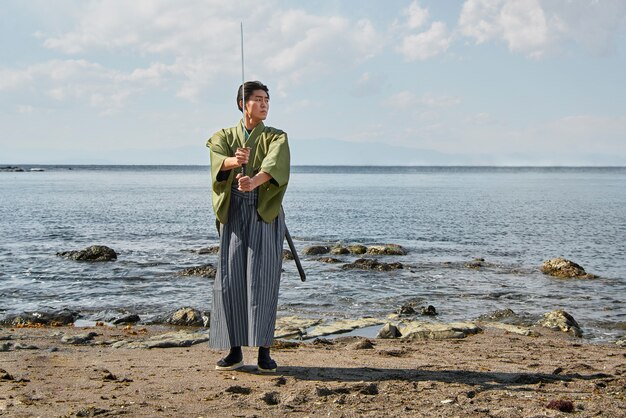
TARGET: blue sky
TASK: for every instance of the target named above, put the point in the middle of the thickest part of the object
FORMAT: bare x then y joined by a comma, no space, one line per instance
477,82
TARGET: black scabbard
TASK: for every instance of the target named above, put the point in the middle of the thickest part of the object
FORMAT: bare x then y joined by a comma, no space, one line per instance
295,254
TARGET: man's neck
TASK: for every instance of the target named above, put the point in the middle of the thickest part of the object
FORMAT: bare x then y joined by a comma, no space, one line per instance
251,124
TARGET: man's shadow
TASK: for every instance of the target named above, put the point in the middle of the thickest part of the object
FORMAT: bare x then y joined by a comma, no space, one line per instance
486,380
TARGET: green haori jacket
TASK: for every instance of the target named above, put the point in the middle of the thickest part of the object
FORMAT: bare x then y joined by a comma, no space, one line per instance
269,152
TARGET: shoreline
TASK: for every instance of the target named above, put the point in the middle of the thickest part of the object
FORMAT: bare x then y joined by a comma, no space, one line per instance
51,371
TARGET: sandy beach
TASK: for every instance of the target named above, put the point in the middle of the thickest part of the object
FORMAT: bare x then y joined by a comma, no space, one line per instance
50,372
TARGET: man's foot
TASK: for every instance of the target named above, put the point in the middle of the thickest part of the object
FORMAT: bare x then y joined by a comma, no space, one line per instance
265,364
233,361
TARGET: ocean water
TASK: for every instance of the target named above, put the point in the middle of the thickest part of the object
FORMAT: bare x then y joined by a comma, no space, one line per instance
514,218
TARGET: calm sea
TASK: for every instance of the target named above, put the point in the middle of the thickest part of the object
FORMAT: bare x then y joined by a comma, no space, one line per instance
514,218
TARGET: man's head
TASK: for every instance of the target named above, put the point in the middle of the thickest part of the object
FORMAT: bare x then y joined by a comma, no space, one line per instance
250,88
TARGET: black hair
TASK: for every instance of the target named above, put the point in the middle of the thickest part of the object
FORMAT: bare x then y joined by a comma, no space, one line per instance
250,87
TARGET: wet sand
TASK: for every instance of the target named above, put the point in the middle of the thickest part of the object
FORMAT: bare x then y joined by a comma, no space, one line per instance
491,374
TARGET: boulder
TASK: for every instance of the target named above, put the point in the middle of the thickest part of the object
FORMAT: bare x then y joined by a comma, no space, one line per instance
357,249
389,331
561,321
205,270
565,269
215,249
79,339
417,330
185,316
339,250
428,311
293,326
406,310
475,263
329,260
370,264
92,253
341,326
316,250
127,319
33,319
362,344
387,249
170,339
287,255
508,316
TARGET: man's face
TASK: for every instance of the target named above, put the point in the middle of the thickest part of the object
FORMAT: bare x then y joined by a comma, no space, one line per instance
258,105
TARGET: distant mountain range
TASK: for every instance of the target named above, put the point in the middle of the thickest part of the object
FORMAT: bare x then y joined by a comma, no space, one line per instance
309,152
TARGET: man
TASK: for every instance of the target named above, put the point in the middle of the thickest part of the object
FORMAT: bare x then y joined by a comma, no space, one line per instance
249,182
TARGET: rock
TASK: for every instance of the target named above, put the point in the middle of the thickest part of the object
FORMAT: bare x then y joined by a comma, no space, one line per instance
406,310
186,316
357,249
287,255
561,320
366,389
507,316
293,326
514,329
322,341
621,342
205,270
79,339
171,339
316,250
565,269
12,169
19,346
561,405
240,390
93,253
417,330
329,260
284,345
362,344
387,249
389,331
33,319
215,249
4,375
475,263
5,347
339,250
370,264
128,319
271,398
342,326
428,311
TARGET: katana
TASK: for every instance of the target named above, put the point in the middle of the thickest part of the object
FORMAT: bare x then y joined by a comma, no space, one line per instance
292,247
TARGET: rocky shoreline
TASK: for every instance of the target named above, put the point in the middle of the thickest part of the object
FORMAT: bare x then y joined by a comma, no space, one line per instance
164,371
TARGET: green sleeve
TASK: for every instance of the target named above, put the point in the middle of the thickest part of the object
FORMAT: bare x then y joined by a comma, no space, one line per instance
276,162
220,151
220,180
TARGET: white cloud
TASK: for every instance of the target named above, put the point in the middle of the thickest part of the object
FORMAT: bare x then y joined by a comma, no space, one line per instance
536,27
196,42
428,44
417,15
406,99
80,80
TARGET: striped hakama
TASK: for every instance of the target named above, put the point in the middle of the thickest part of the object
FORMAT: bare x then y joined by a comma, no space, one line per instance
245,292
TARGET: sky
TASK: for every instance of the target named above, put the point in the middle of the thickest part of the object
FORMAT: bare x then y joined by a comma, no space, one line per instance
474,82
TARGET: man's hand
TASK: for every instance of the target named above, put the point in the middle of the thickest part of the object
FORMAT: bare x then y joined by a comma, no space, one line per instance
242,155
246,183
